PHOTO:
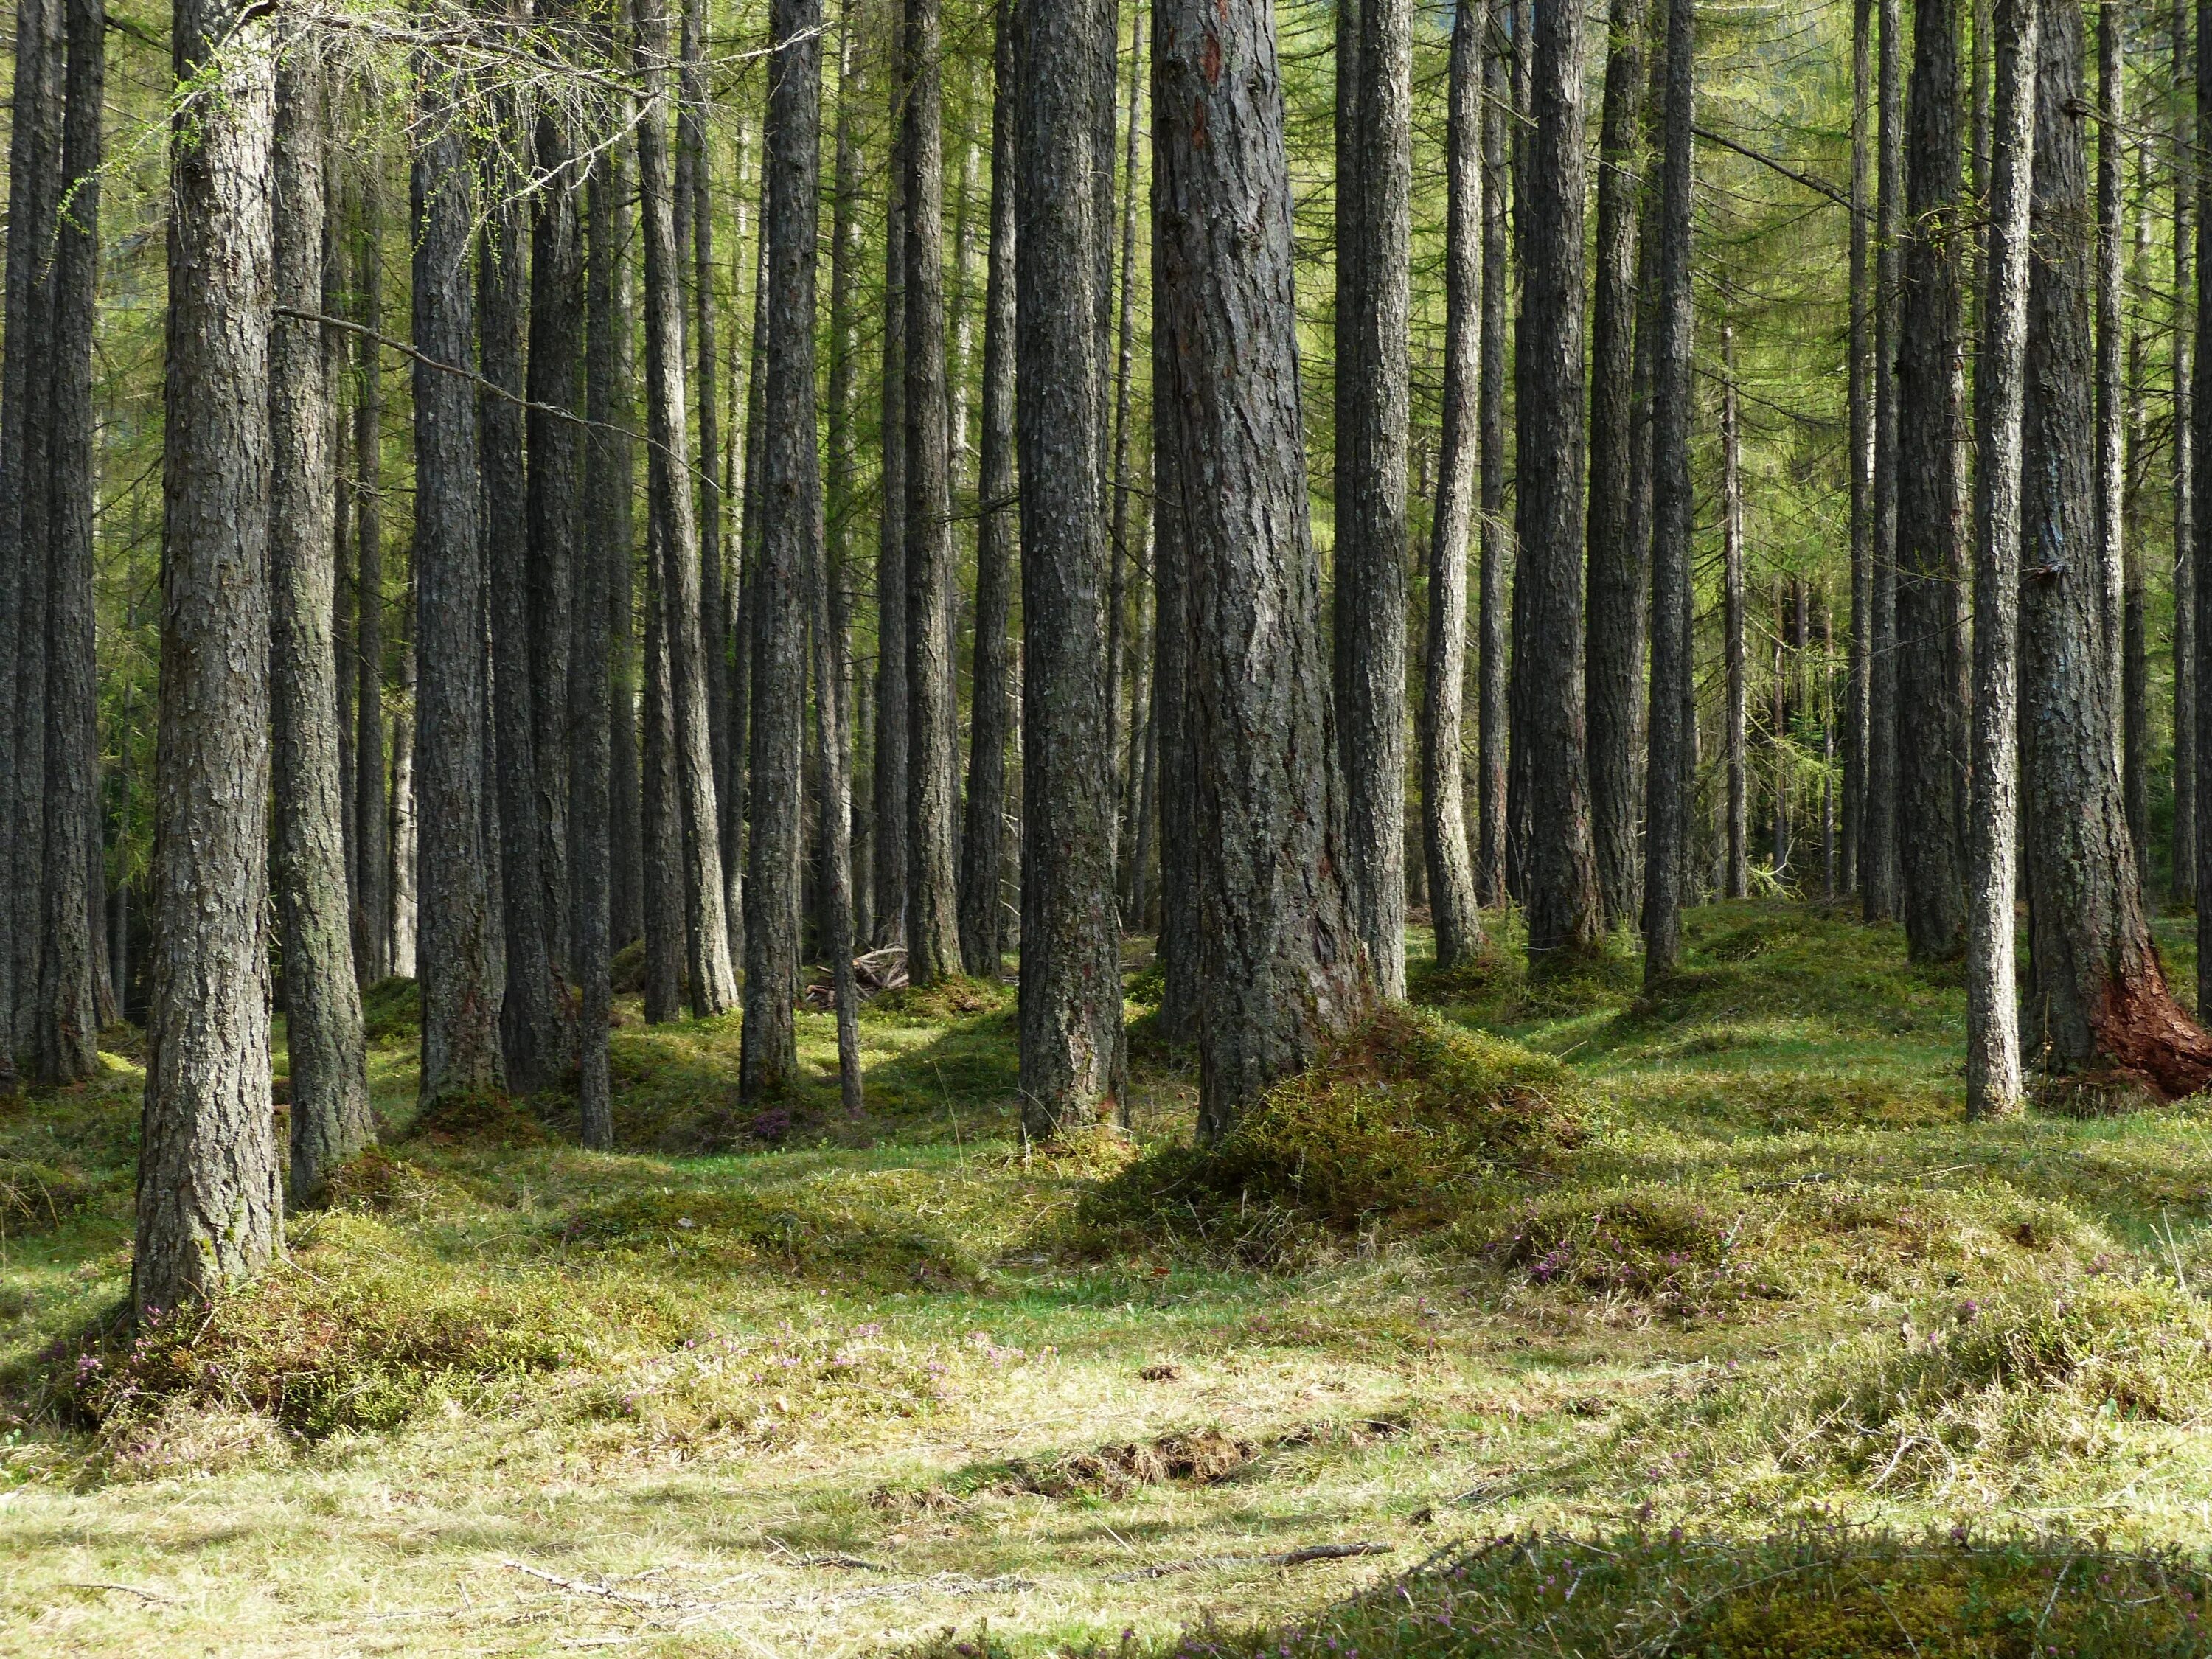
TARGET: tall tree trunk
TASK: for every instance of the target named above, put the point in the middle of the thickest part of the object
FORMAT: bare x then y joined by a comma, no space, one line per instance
67,1016
210,1205
1179,935
1374,353
1670,769
1858,729
932,896
459,965
2184,469
1619,559
1737,881
991,711
1930,734
2100,992
401,923
833,740
2112,329
666,936
1124,404
530,1012
841,478
1071,990
1490,595
330,1116
890,836
713,984
791,160
1565,916
2134,645
372,832
1452,901
1879,878
1284,970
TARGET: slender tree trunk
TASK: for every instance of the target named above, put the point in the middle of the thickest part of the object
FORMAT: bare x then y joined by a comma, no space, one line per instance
2135,647
1565,915
990,713
211,1205
2184,469
1618,560
2200,404
1879,878
1283,968
1671,767
1778,731
68,1018
791,159
372,831
890,836
666,936
2112,333
1737,881
1070,991
401,838
832,729
1858,733
842,473
1124,402
2101,995
713,984
1452,901
1930,725
330,1116
1490,598
1374,353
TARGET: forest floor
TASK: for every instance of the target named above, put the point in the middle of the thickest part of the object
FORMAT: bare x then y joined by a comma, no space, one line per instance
792,1383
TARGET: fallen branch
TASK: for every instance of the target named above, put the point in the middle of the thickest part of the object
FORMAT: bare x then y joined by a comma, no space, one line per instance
1288,1558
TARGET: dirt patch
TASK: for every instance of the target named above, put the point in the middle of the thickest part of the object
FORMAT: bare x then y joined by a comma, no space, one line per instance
1203,1457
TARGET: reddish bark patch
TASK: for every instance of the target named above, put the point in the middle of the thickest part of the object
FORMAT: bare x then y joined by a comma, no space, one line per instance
2149,1039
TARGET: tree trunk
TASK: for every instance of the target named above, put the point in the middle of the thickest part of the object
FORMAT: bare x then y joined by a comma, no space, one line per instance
330,1116
402,924
990,713
1179,935
2134,648
1671,766
1619,559
1452,902
1565,916
1858,729
1283,968
2184,472
1124,400
2100,992
68,1017
1930,725
842,475
1490,598
665,939
372,833
1070,989
2112,329
713,984
790,469
891,716
1737,882
1878,855
210,1207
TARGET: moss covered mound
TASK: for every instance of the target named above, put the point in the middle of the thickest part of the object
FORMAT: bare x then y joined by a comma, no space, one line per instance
1398,1120
718,1231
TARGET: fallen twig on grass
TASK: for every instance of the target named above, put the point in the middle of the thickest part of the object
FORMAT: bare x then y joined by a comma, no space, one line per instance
1285,1558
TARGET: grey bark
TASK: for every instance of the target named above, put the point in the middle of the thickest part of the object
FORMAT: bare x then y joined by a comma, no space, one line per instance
1179,935
888,835
667,940
1879,878
1737,879
2183,321
1858,734
330,1116
1117,604
1070,989
1619,575
1489,598
2112,326
990,713
1670,769
1565,915
372,833
842,472
791,478
1452,902
210,1205
1283,969
714,983
459,966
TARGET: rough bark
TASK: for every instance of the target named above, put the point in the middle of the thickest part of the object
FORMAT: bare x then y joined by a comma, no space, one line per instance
888,835
1071,994
1489,596
662,814
1670,769
330,1116
1736,881
1858,733
1930,725
2183,321
1283,969
1618,574
714,988
372,832
68,1017
1452,902
1879,878
1565,916
2201,514
210,1205
841,471
2135,644
2102,1000
991,710
2111,335
459,966
791,480
1124,393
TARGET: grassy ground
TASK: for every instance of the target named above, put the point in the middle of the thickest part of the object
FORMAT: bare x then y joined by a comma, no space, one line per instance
786,1383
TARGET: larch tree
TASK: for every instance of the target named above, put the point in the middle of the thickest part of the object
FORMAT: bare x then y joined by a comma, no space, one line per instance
792,528
1930,736
2182,321
2101,996
1282,967
1879,878
1452,901
888,834
330,1120
1565,915
372,831
1491,693
1859,414
210,1201
1070,996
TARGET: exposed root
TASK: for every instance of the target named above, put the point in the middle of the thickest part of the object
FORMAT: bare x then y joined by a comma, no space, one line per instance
2149,1039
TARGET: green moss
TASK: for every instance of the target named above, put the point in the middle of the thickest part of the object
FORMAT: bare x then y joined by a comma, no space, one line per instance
34,1197
392,1009
954,997
476,1120
803,1235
